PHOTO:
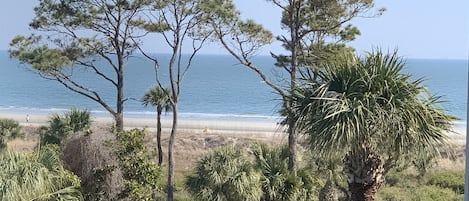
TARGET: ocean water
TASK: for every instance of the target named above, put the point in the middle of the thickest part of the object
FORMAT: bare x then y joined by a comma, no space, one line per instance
215,87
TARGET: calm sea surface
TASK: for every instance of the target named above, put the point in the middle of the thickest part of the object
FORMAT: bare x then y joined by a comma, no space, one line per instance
216,87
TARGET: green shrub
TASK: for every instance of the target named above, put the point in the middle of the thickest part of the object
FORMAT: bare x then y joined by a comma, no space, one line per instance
225,174
449,179
37,176
9,129
278,183
435,193
141,175
392,193
62,126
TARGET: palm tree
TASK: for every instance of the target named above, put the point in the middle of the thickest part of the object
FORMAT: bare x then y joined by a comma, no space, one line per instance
9,129
160,98
37,176
372,114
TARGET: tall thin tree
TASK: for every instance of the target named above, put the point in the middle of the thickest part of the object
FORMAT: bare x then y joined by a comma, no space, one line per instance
181,24
315,32
160,98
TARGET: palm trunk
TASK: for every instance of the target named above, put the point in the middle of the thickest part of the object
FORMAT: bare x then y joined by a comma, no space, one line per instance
365,172
158,136
327,193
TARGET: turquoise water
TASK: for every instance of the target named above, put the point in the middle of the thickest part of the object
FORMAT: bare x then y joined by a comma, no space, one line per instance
216,87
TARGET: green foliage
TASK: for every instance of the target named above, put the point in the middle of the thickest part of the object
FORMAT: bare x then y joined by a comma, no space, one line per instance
411,185
37,176
434,193
225,175
158,97
62,126
451,179
141,175
369,101
72,36
394,194
9,129
278,183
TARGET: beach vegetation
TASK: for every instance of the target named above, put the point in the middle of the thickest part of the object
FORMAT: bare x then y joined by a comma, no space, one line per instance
92,158
225,174
62,126
141,175
315,32
9,129
37,176
71,37
278,183
160,99
379,117
182,23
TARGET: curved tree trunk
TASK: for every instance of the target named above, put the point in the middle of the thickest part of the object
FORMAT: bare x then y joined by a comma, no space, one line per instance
172,138
365,172
158,135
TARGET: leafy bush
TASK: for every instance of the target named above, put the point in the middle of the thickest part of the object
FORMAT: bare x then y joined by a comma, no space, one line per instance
392,193
62,126
9,129
141,175
37,176
278,183
450,179
225,174
435,193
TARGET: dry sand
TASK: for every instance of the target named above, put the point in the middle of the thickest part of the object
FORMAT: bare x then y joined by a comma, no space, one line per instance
191,126
197,137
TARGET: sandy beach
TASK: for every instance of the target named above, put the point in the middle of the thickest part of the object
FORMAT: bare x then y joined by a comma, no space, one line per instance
185,125
193,126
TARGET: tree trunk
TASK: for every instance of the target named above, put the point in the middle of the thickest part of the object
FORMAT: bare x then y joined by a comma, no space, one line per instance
365,172
294,15
158,136
327,193
170,154
119,117
292,147
119,120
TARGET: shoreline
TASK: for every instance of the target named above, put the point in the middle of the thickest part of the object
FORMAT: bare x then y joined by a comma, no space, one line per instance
196,126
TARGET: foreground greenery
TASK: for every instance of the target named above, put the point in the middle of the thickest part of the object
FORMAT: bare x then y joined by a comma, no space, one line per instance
37,176
9,129
379,117
261,174
256,172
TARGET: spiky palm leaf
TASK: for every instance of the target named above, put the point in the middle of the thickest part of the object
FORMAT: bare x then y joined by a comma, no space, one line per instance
278,183
158,97
78,120
9,129
367,108
225,175
36,177
370,102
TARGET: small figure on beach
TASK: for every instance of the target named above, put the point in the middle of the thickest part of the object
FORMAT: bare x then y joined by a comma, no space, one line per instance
27,118
206,130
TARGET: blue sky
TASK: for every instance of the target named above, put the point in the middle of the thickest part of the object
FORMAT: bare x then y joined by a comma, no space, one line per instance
418,28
